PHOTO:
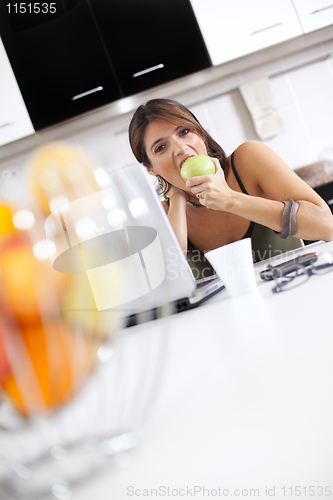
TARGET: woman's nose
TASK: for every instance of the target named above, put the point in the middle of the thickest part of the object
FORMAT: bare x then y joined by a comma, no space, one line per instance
179,147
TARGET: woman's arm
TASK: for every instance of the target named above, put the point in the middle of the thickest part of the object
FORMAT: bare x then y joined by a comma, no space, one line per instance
269,181
176,211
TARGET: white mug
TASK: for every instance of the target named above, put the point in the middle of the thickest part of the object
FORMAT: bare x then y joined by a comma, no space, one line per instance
234,265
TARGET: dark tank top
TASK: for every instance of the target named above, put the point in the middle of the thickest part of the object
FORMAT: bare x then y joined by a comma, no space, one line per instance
265,243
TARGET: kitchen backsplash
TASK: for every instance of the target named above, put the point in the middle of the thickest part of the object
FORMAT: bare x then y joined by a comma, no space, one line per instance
304,98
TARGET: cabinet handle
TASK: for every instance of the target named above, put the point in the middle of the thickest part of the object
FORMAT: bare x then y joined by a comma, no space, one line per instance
322,8
148,70
9,124
84,94
266,28
330,202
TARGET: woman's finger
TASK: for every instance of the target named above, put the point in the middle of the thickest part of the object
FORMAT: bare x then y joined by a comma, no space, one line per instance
216,163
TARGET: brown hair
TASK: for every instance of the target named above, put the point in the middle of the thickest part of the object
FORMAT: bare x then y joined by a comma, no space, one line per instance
177,114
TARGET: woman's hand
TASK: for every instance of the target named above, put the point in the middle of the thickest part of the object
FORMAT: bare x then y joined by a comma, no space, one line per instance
175,193
213,190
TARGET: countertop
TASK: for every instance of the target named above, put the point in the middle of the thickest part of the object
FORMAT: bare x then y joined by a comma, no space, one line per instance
244,407
316,174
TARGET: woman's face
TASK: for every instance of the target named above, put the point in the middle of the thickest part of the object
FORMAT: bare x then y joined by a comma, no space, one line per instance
168,146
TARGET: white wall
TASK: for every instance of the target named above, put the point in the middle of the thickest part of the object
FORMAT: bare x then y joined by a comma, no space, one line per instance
304,97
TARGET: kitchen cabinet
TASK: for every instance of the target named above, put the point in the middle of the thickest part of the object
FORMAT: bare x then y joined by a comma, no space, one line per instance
326,192
235,29
84,54
319,176
59,61
14,118
314,14
150,42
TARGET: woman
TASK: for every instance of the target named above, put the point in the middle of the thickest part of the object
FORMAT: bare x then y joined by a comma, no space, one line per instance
247,196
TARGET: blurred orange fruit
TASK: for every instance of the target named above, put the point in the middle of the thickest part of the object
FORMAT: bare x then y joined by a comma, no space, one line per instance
59,172
51,365
4,365
6,220
30,288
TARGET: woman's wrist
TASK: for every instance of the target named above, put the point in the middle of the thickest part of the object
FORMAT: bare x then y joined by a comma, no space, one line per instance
233,201
177,197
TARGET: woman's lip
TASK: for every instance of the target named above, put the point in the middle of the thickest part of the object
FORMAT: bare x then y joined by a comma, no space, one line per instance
182,163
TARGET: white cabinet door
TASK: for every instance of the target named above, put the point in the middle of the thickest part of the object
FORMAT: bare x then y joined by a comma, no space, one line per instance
14,118
314,14
235,28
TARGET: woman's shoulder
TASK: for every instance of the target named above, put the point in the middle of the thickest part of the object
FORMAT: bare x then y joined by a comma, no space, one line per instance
254,161
246,155
255,156
250,147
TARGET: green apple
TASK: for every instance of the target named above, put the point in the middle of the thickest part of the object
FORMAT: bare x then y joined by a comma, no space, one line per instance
197,165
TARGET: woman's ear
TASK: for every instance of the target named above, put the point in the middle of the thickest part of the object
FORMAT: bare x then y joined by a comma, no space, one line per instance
150,170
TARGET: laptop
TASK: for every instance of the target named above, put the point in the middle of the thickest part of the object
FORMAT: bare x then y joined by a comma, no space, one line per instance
176,290
122,243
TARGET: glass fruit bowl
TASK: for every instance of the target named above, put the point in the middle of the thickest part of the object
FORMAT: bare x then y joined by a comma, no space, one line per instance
76,386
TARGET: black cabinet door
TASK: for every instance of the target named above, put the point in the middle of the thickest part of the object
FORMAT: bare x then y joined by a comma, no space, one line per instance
72,56
326,192
150,42
58,58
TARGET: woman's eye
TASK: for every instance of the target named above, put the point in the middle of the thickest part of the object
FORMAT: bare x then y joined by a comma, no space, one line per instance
159,148
185,131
